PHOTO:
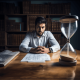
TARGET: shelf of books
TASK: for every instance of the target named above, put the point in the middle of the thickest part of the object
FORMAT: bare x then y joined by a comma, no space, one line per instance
16,21
14,39
15,25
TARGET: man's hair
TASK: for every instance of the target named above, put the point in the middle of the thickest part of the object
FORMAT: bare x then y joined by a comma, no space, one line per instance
40,20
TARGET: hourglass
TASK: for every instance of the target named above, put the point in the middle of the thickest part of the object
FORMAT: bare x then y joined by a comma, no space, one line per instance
69,26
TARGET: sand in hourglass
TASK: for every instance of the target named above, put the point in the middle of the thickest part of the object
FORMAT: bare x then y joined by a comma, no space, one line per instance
67,58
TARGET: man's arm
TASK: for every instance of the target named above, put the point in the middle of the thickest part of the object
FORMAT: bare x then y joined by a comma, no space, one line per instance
24,46
53,42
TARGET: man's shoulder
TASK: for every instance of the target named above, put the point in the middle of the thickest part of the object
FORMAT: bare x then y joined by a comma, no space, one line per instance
48,32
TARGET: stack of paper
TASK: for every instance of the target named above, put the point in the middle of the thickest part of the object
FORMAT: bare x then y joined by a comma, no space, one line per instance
6,56
31,57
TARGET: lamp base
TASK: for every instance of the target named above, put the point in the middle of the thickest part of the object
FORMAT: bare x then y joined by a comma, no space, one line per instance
65,63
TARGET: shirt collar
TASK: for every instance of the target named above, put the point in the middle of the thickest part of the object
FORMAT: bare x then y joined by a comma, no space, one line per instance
35,35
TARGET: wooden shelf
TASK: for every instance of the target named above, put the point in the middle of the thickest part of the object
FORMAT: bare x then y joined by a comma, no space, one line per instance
2,31
2,45
48,14
56,31
33,14
16,31
12,45
16,14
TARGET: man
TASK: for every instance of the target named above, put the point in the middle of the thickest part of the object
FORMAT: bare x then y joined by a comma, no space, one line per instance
37,41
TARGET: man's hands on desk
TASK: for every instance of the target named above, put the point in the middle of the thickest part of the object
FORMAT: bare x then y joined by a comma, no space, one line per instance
40,50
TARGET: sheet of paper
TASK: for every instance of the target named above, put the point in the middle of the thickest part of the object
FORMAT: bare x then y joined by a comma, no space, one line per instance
31,57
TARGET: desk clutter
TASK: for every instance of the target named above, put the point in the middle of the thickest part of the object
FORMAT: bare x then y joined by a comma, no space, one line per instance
6,56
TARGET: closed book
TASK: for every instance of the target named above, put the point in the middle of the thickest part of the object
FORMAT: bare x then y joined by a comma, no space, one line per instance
2,25
32,23
22,26
59,26
15,40
10,25
54,26
50,24
40,8
12,39
37,8
17,26
17,10
26,6
9,39
2,38
47,24
68,8
31,8
20,39
2,7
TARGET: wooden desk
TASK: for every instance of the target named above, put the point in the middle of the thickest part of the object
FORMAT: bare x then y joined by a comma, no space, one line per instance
50,70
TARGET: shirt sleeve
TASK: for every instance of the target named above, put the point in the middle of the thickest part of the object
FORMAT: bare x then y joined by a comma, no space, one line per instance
53,42
24,46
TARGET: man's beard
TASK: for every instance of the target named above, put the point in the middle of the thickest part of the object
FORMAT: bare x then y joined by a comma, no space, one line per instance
39,34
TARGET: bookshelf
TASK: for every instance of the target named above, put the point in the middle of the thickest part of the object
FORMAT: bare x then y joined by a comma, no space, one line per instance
12,32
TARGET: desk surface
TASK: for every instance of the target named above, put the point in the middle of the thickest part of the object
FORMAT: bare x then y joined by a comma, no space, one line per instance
50,70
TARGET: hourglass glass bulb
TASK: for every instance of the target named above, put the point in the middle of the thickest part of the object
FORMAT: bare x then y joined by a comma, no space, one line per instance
68,27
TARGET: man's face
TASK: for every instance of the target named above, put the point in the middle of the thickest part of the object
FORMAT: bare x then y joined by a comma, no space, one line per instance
40,28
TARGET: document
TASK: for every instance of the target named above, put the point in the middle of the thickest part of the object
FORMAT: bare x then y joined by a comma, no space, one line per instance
31,57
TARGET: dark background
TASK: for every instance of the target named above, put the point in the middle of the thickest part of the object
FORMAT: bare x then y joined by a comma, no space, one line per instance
75,10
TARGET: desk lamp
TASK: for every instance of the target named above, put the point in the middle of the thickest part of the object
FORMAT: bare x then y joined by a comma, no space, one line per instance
69,25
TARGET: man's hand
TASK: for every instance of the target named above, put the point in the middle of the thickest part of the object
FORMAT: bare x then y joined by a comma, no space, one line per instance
40,49
35,50
44,49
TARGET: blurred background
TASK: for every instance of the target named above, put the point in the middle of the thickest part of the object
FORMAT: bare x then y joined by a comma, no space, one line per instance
17,18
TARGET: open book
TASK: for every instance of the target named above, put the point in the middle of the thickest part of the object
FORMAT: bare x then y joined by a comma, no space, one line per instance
31,57
6,56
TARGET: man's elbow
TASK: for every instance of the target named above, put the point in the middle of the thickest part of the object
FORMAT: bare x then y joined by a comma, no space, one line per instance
20,48
25,49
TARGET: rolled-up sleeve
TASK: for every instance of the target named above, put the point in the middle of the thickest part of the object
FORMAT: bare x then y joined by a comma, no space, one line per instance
53,42
24,46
